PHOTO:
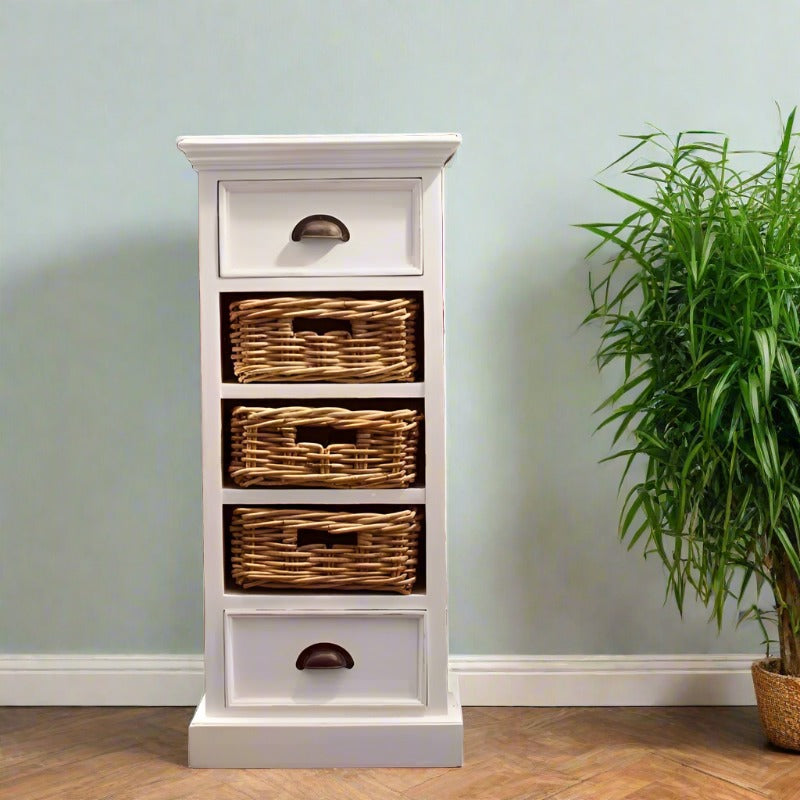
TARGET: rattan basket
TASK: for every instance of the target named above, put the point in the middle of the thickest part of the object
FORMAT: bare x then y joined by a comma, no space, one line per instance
326,339
778,698
282,548
333,447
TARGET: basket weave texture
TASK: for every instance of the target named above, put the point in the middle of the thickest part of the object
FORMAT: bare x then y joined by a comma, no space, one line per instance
270,341
778,699
347,448
378,551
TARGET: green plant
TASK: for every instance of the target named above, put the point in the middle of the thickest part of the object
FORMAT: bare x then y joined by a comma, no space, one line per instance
700,308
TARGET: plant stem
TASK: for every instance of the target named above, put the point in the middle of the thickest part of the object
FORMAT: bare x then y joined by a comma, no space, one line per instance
787,583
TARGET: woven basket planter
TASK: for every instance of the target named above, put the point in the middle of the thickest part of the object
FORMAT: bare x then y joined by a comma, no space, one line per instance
333,447
326,339
280,548
778,698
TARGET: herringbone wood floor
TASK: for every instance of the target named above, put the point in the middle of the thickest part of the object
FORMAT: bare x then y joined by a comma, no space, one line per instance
563,754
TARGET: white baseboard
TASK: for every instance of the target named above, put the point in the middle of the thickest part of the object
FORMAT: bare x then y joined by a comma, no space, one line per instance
177,680
681,680
107,680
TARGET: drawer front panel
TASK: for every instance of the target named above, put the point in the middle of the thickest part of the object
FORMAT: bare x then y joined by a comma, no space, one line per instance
381,219
386,650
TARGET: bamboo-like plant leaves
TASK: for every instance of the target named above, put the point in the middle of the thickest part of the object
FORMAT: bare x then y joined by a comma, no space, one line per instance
787,370
767,342
700,306
712,410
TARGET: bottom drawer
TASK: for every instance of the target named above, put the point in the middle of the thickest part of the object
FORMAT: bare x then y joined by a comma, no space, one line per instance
319,658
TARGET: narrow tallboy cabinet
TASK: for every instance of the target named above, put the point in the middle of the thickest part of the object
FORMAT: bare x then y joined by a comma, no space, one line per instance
304,667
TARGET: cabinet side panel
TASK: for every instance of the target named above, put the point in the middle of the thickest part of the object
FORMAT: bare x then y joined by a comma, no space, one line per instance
212,456
435,488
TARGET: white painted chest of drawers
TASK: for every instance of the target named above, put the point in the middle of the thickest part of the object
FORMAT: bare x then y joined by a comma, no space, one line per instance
390,701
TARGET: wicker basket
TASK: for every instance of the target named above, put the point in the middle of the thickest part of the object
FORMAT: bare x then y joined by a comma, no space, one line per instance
778,698
333,447
282,548
329,339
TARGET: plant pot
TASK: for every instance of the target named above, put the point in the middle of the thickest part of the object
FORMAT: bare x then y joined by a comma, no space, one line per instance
778,698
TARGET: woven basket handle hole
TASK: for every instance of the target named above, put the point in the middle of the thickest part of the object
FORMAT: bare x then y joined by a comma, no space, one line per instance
325,435
313,537
320,325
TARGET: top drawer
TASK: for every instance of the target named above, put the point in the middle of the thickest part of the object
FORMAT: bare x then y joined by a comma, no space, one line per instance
369,227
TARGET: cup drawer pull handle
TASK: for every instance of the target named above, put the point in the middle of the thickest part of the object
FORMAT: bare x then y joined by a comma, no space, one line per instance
324,655
320,226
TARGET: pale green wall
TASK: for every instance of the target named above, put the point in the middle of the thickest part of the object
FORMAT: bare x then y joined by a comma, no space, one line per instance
100,417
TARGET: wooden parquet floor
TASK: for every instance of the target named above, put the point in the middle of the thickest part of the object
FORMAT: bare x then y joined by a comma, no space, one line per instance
511,753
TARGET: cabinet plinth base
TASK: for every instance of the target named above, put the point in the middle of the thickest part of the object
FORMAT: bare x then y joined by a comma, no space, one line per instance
327,742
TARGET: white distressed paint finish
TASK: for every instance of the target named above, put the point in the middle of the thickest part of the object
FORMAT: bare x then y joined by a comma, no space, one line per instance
257,218
294,391
414,496
321,152
345,285
353,741
211,382
167,680
261,650
308,600
391,161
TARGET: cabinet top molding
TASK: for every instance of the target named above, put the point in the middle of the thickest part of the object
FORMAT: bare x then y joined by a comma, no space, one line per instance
310,152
